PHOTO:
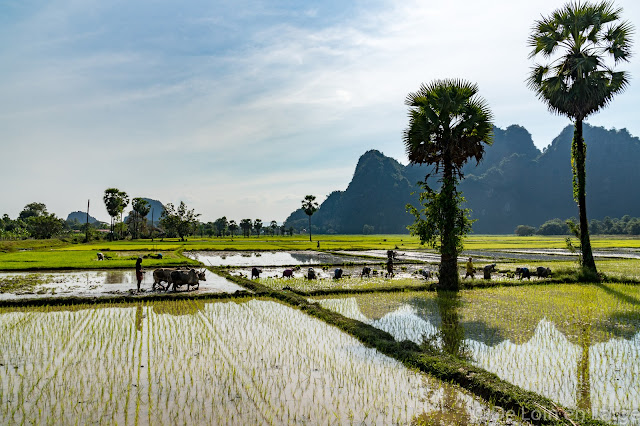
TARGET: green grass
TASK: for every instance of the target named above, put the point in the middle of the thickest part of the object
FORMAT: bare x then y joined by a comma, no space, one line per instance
62,259
56,254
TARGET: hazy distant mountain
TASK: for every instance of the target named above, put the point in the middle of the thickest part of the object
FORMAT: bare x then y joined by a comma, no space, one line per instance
81,217
156,209
514,184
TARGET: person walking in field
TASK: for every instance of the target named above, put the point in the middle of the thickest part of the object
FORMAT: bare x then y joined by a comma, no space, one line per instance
139,272
470,269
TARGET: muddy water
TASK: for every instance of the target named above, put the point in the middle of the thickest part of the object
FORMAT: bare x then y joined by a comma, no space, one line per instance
184,362
93,283
275,258
579,347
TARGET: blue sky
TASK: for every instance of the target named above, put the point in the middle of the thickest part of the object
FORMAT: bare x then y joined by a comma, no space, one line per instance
241,108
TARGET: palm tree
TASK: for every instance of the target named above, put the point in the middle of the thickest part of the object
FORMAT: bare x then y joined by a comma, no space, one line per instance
141,209
309,206
577,39
233,227
448,125
257,225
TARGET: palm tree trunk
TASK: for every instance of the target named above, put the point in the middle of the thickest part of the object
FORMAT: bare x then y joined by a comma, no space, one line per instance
449,276
578,157
309,228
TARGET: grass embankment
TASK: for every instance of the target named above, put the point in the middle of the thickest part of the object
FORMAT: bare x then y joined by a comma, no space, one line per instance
527,405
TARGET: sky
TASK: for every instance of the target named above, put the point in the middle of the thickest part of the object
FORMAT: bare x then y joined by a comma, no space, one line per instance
241,108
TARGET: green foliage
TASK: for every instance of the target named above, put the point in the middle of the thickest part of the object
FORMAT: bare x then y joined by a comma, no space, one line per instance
553,227
45,226
181,221
115,201
576,40
430,220
525,230
33,210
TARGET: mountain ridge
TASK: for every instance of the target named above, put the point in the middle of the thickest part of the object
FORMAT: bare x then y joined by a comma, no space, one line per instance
515,183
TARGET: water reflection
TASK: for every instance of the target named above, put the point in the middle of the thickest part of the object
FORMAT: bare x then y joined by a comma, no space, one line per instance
280,258
575,363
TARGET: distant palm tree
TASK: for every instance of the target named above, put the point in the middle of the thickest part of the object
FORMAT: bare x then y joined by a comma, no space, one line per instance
233,227
141,209
309,206
576,40
448,125
257,225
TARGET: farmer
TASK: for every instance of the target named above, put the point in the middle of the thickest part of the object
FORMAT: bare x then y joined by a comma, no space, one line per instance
470,269
139,272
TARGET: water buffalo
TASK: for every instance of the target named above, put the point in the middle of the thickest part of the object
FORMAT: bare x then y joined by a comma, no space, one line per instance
523,273
287,273
337,274
160,275
427,274
311,274
188,278
487,270
255,272
366,271
543,272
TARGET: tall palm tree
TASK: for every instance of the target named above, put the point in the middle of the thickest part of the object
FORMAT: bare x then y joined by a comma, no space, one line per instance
309,206
448,125
577,40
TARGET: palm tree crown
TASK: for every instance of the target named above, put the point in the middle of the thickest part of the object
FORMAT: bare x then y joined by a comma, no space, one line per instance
448,124
577,40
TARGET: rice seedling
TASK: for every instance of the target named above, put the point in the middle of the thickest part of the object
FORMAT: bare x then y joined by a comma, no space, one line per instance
190,362
576,344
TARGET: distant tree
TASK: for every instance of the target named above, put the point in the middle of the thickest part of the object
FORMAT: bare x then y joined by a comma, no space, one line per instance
221,225
367,229
274,227
115,201
291,231
233,227
33,209
141,209
448,125
577,39
554,227
181,221
525,230
283,230
633,227
44,226
246,225
309,206
257,225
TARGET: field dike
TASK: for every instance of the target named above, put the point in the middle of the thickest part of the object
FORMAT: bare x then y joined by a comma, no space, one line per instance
530,406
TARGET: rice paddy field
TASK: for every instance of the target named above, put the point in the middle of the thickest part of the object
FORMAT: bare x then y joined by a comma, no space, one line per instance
576,344
189,362
261,357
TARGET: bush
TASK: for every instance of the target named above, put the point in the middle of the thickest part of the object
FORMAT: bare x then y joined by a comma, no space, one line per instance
525,230
553,227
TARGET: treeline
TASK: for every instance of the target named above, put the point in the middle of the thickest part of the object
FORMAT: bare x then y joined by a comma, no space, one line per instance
34,221
626,225
222,227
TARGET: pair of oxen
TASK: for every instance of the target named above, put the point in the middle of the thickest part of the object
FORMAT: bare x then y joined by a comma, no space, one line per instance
177,278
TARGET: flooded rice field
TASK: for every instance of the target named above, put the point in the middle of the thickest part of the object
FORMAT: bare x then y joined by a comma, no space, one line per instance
269,258
92,283
189,362
576,344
